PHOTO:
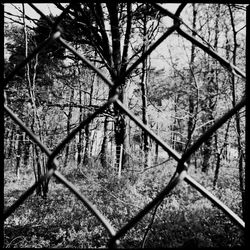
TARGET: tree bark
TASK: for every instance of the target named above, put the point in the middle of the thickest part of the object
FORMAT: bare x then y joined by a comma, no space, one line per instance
104,148
69,115
211,99
26,153
156,144
121,129
79,144
121,124
10,137
87,152
38,164
143,83
237,118
18,154
219,153
108,44
191,123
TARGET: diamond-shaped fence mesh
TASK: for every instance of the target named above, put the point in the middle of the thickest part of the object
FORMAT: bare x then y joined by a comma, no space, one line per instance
181,173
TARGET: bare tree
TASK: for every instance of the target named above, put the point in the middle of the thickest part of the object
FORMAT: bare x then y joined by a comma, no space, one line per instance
237,116
38,164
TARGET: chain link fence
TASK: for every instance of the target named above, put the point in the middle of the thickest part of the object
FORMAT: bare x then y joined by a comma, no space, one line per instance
181,173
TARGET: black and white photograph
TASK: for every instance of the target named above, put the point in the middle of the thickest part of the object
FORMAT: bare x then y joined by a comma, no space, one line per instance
124,124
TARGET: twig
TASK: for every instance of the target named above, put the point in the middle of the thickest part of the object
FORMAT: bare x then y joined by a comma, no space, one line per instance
150,224
153,216
109,191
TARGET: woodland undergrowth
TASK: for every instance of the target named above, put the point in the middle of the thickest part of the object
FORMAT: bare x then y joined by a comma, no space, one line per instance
61,220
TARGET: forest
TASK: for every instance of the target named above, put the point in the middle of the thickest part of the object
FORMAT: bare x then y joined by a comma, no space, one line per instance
119,101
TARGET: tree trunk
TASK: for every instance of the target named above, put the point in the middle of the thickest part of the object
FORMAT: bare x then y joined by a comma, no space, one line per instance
69,115
156,144
121,130
11,138
209,107
175,129
39,167
104,148
219,153
237,118
87,128
144,95
118,66
26,153
7,138
207,147
81,116
18,154
191,124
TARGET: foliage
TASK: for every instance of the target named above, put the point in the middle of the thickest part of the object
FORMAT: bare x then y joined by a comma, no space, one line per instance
62,221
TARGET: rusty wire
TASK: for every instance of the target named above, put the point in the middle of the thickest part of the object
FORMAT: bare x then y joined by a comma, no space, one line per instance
181,168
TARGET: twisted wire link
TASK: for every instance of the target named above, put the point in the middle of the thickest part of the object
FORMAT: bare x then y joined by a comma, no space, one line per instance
176,179
181,168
